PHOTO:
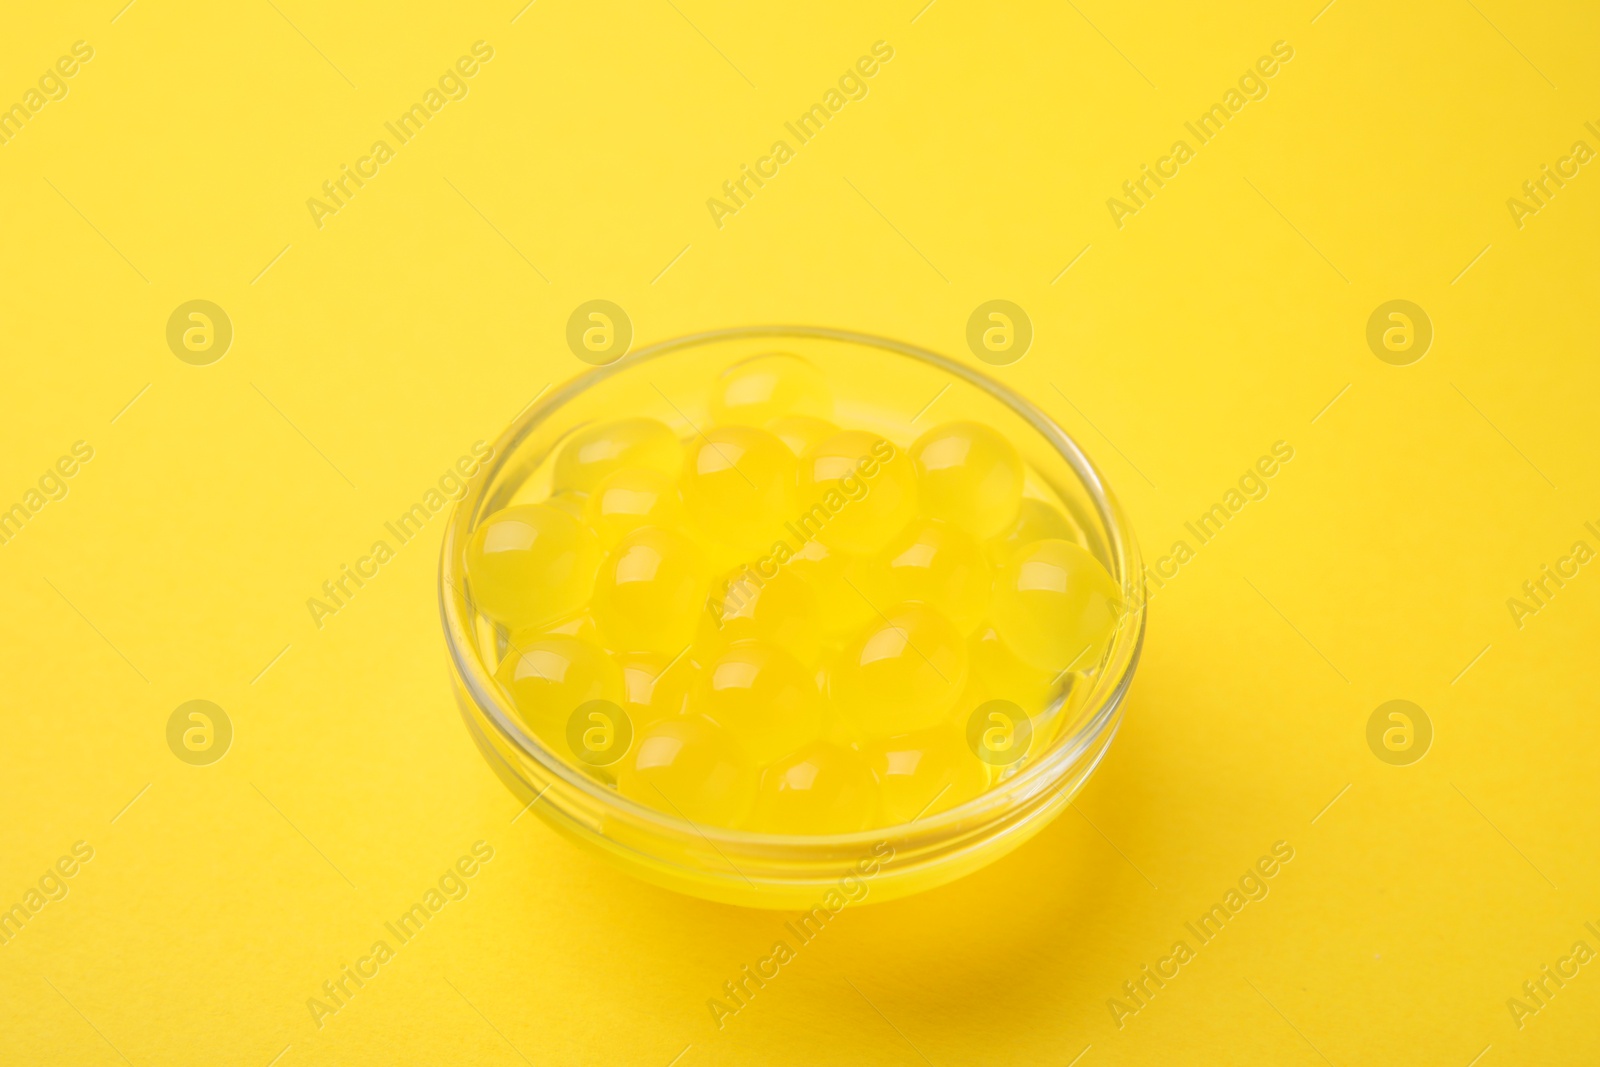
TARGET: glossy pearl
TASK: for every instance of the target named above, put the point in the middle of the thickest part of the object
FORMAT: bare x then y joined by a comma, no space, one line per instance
905,671
763,697
689,767
969,475
1055,606
856,490
821,789
738,487
650,591
762,388
530,564
596,451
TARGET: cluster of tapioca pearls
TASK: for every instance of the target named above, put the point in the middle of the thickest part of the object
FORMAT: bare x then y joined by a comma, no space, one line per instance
797,620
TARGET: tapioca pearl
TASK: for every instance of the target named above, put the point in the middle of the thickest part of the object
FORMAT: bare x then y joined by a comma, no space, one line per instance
738,487
766,699
820,789
549,675
970,475
939,563
690,767
1055,606
530,564
924,773
757,390
650,591
904,671
596,451
840,582
633,497
857,490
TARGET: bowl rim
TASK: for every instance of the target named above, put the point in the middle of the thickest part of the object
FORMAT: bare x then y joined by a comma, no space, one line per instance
1037,776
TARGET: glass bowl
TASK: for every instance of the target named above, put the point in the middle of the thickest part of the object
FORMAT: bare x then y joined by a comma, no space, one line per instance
889,386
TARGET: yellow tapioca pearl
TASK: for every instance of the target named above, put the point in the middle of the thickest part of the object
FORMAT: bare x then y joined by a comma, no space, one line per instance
840,582
765,698
598,450
820,789
630,498
757,390
655,686
781,610
1035,521
550,675
800,432
1002,675
689,767
905,671
738,486
936,562
650,591
530,564
857,490
923,773
969,475
1055,606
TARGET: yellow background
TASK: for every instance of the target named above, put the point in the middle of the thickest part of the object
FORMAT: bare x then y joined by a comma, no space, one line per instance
1223,317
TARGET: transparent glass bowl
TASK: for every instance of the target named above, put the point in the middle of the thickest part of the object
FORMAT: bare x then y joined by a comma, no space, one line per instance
879,383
